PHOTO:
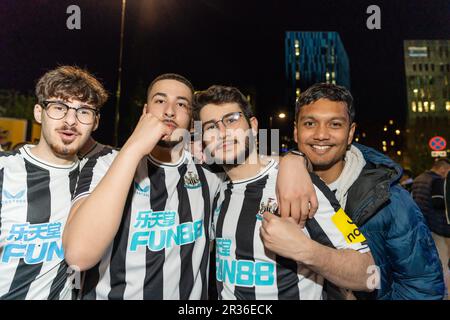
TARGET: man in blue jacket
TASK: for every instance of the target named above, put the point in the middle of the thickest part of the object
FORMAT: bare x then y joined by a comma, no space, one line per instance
366,183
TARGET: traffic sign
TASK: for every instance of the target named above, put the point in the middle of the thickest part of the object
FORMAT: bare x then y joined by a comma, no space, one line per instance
437,143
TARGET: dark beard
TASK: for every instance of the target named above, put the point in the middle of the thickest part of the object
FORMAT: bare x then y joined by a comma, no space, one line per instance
168,144
247,152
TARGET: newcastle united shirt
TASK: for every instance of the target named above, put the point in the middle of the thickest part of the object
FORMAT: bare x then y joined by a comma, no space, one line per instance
244,268
35,203
161,250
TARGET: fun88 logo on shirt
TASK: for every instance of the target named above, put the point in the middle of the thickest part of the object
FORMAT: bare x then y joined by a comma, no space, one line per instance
244,273
34,243
158,230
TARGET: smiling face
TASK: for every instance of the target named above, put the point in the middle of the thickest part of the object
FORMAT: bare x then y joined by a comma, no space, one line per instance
171,101
231,144
66,136
323,131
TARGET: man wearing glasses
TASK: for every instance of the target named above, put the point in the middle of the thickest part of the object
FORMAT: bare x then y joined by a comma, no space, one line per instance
37,183
246,269
140,221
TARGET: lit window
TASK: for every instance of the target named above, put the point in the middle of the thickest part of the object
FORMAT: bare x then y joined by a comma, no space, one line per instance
418,52
385,128
447,105
413,106
357,139
327,76
425,106
297,44
297,92
384,143
391,122
364,134
432,106
297,52
399,153
384,148
415,91
392,143
397,132
297,75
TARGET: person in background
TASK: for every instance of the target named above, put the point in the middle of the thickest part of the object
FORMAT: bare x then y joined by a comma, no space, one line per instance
406,181
428,192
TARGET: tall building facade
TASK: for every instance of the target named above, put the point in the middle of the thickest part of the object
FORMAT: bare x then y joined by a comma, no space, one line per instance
427,71
312,57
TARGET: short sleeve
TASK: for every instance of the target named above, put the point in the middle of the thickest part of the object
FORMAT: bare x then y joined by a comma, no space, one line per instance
94,169
331,226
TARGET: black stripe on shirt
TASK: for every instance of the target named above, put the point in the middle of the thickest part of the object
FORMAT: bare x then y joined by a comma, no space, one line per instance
61,276
73,178
245,231
219,227
154,276
91,279
287,279
184,211
206,227
117,264
59,281
317,234
38,211
326,191
87,173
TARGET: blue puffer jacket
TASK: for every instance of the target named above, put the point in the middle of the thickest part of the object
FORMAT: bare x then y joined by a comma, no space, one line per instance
396,232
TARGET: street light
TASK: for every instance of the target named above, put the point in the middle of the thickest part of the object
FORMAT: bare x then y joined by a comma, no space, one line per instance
280,115
119,75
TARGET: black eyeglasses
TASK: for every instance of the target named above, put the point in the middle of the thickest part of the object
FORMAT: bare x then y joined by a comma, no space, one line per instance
227,120
58,110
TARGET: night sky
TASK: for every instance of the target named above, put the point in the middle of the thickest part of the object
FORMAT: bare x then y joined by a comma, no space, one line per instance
238,43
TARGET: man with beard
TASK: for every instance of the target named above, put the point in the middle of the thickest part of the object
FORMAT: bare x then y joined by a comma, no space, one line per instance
366,183
37,183
140,220
245,269
150,240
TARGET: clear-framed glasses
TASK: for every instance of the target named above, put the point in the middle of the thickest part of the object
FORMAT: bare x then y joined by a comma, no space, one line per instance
58,110
227,120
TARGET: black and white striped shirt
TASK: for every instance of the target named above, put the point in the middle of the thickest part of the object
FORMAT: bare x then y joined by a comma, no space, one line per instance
35,203
244,268
96,148
161,250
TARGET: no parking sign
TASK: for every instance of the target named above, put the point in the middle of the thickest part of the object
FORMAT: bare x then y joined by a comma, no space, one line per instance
437,143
